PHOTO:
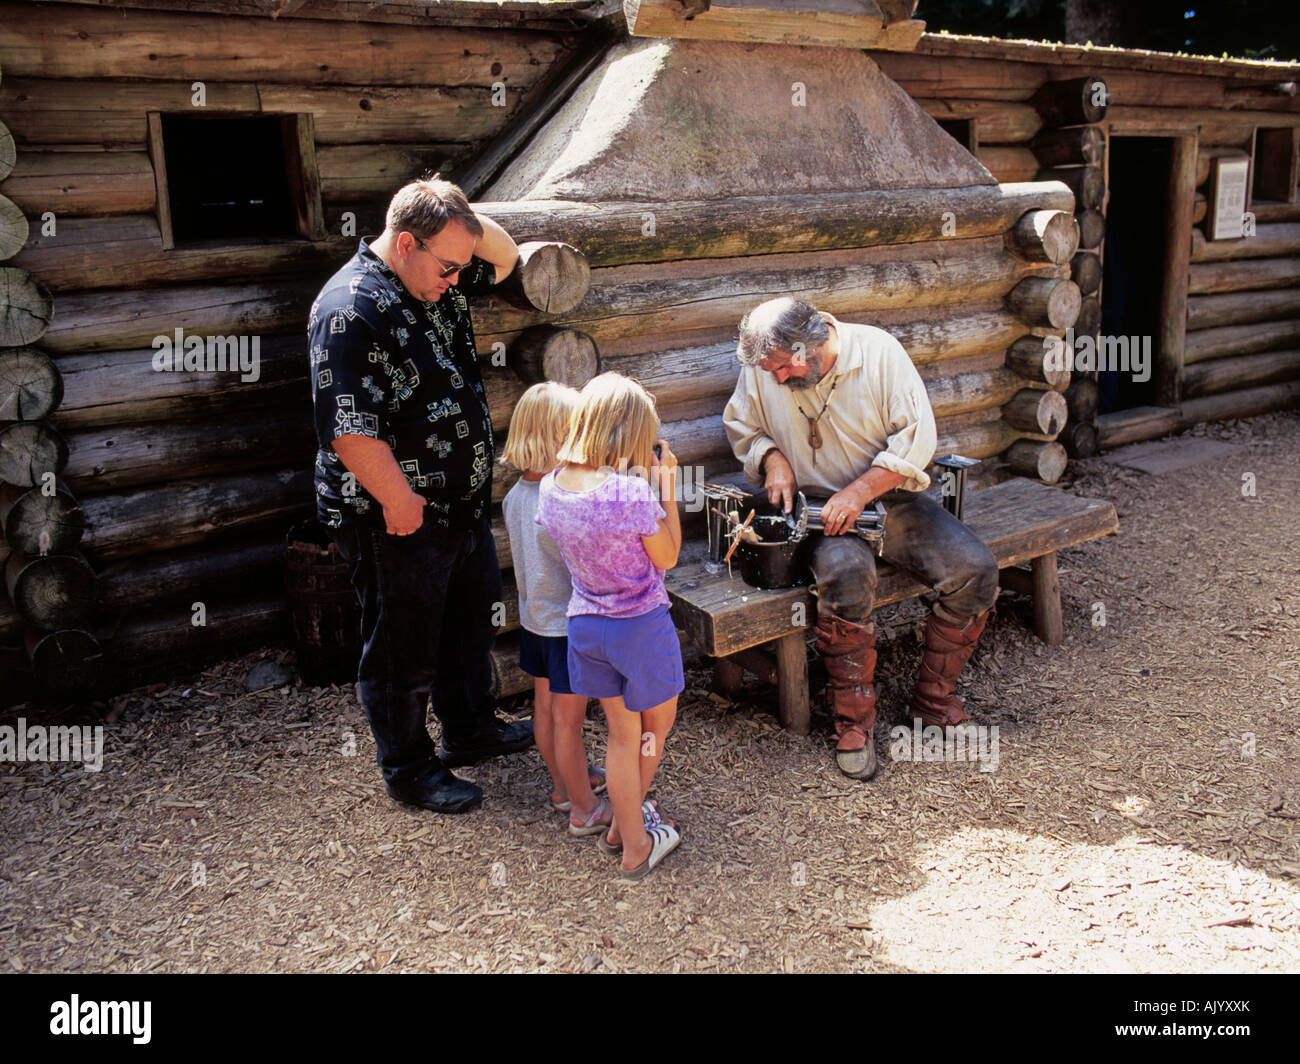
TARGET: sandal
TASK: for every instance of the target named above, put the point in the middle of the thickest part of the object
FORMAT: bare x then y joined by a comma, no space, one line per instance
663,841
593,773
649,816
594,824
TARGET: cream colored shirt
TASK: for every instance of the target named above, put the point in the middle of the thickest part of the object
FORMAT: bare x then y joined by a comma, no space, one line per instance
879,415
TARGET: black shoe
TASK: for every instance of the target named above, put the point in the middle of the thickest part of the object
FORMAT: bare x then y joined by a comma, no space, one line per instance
497,738
440,792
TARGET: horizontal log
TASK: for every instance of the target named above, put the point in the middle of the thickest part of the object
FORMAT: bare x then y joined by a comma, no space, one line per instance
122,387
11,625
1081,398
210,572
87,42
1205,157
127,251
1245,403
1092,228
551,353
1045,236
1227,128
1140,423
612,234
161,637
1069,146
52,592
973,391
1088,321
1085,271
13,228
1046,302
30,384
1032,410
1029,357
663,299
29,451
551,277
26,307
508,679
1236,308
1244,275
1200,207
83,183
112,114
128,456
122,320
1079,439
1035,458
182,513
1088,183
1278,238
1203,344
999,122
1239,371
1266,211
1008,162
1073,101
38,522
8,152
68,662
350,173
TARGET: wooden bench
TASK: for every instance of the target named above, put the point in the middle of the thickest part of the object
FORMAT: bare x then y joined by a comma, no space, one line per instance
763,632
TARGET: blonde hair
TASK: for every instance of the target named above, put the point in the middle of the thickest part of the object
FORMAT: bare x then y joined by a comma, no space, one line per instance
539,426
615,425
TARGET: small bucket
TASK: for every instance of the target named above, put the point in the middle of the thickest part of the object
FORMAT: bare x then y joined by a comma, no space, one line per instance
776,562
324,607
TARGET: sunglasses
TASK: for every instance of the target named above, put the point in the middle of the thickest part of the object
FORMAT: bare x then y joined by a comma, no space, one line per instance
447,271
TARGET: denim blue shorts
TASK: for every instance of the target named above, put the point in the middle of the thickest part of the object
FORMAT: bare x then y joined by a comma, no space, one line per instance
546,656
638,658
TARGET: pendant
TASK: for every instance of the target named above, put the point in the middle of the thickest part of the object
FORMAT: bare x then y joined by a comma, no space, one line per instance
814,436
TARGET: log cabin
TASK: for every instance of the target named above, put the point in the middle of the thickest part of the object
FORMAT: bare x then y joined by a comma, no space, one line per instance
1011,210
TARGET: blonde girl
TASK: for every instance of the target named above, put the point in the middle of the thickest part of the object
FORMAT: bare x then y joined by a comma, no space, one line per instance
538,426
611,509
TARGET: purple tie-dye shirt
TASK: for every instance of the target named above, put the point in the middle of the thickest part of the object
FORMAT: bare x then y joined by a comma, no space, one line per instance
599,533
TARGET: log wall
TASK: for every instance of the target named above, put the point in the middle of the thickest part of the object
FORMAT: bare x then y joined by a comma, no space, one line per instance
186,482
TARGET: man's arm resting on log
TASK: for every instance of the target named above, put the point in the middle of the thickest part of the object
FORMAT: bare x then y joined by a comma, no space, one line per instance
497,247
371,461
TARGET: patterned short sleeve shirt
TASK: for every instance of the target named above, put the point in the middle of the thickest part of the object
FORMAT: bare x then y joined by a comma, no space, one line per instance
392,367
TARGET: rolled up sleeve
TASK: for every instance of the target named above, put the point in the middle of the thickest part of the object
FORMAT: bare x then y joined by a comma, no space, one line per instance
745,432
912,434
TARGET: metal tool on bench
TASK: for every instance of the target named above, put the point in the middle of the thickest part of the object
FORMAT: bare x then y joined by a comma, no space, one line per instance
952,481
806,516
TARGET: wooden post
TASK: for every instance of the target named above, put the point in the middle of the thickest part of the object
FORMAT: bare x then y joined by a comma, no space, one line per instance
1173,292
728,677
1088,183
1074,102
1045,301
1047,600
792,689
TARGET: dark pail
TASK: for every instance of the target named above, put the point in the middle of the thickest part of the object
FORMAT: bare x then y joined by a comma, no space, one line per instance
323,605
776,562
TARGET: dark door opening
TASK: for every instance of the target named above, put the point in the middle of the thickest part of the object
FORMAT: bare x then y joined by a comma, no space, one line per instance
1134,262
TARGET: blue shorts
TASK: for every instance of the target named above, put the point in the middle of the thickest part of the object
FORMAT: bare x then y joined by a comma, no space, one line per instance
638,658
546,656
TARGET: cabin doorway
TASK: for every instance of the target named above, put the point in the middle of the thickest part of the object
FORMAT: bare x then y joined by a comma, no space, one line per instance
1134,262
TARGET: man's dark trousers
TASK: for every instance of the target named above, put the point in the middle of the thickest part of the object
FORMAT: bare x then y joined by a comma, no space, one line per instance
427,603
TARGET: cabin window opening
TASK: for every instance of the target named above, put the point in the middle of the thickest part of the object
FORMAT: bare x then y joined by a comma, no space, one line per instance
235,178
962,130
1277,167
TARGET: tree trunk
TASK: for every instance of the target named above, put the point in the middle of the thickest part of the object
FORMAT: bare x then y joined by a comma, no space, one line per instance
550,276
30,384
25,308
51,592
36,523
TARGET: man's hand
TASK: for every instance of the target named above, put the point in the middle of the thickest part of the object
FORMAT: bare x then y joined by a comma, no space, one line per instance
779,480
405,516
842,510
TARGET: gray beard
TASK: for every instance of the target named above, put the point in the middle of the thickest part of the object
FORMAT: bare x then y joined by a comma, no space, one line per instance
809,380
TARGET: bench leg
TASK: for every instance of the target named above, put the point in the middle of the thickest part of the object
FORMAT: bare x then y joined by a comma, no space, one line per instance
1047,600
727,677
792,682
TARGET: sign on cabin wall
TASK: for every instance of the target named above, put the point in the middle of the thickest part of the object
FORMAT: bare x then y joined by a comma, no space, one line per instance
1228,201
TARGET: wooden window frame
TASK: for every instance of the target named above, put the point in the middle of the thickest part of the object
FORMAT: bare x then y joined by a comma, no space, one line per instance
299,134
1278,164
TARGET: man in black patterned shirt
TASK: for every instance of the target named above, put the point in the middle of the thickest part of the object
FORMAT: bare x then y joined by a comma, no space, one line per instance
404,483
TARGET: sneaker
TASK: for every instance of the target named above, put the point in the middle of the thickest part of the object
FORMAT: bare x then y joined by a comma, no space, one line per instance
439,792
499,737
